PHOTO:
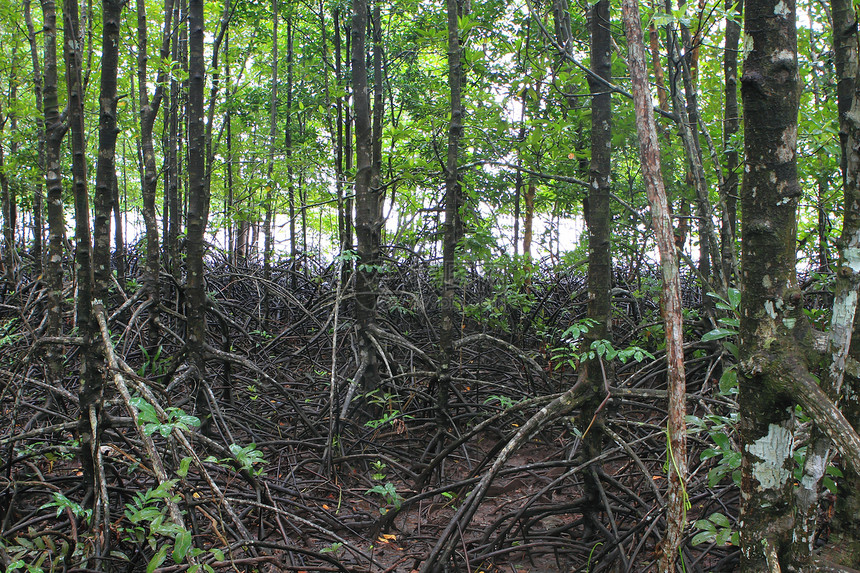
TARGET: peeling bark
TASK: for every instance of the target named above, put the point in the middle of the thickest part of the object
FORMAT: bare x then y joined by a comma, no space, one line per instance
661,222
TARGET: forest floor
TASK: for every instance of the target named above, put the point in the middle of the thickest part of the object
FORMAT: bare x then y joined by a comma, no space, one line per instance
282,482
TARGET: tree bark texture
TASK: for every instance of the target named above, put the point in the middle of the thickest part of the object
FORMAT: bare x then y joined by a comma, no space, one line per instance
771,307
105,167
661,222
453,203
368,219
198,204
731,125
148,112
38,230
91,388
55,130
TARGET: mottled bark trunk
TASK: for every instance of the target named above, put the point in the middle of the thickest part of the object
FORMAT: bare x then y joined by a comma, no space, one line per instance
846,526
453,202
677,502
106,167
55,130
771,307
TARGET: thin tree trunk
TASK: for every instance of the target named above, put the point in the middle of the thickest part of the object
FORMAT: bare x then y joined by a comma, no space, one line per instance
367,219
148,113
677,502
90,394
118,234
5,207
288,144
731,124
271,184
38,231
55,130
198,208
106,165
171,216
846,530
528,221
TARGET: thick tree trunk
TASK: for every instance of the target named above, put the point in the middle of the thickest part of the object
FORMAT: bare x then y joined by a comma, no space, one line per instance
677,503
771,308
453,203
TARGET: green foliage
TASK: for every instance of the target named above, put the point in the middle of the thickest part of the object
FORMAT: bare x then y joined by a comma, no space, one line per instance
716,529
247,457
150,525
62,503
568,355
176,419
386,491
728,459
389,493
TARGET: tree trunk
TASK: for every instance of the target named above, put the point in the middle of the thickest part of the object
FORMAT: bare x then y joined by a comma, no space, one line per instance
171,215
148,113
106,167
38,230
198,208
453,203
55,130
677,503
598,218
771,309
846,529
271,184
731,124
529,198
90,394
368,221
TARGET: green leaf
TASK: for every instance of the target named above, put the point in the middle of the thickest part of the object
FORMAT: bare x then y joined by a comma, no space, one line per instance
703,537
720,519
183,466
181,546
718,333
157,559
729,382
735,297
